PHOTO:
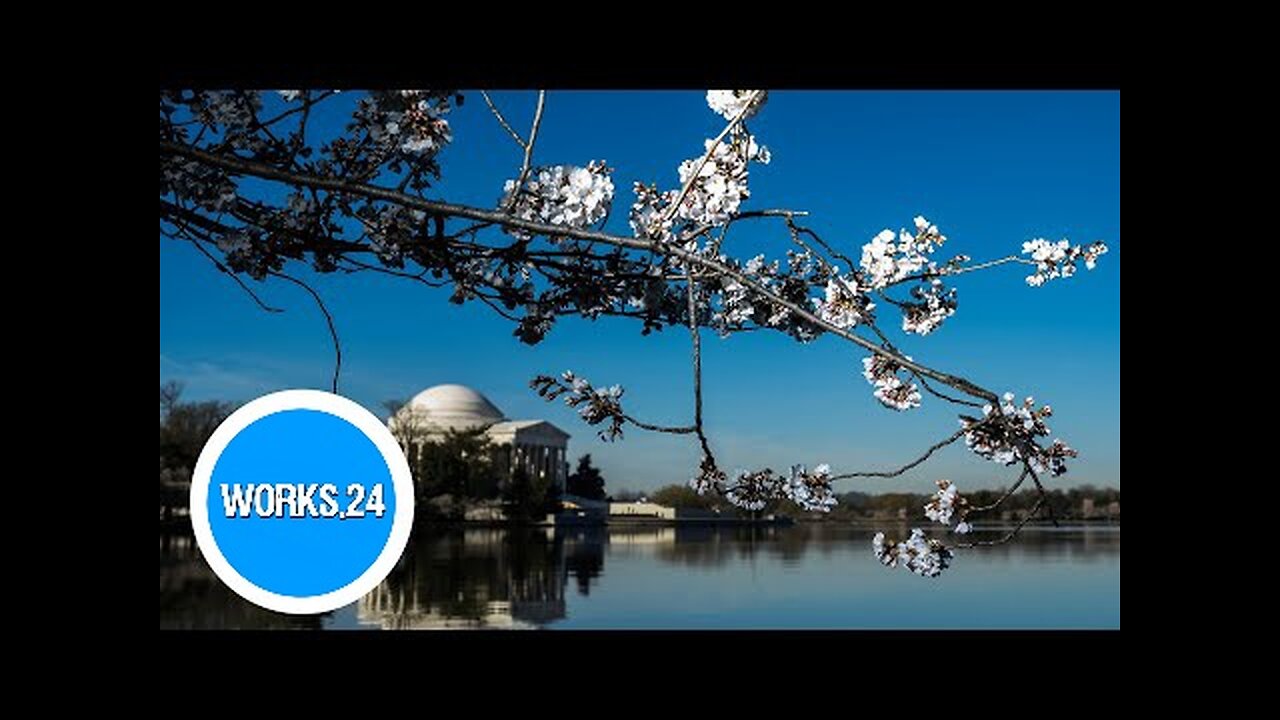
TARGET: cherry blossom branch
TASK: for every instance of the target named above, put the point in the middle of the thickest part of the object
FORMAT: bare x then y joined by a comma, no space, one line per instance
185,229
503,121
747,108
946,271
269,172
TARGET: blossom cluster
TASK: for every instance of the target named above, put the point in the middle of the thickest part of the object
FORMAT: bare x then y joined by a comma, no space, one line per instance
593,405
752,490
933,303
562,195
728,103
735,307
391,231
812,491
719,185
1008,436
709,478
948,504
406,121
649,210
1055,260
891,390
919,554
891,257
229,108
844,306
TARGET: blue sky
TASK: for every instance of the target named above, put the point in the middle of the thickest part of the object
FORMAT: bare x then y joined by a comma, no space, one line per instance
991,169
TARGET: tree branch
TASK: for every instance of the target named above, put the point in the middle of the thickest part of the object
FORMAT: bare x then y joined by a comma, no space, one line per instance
333,331
264,171
684,191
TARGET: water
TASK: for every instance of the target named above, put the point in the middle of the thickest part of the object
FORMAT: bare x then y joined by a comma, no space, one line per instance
805,576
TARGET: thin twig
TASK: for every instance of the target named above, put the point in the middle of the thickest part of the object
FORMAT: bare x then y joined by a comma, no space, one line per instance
908,466
946,271
682,430
235,277
528,150
1043,494
1008,494
797,229
503,121
333,331
1035,510
696,339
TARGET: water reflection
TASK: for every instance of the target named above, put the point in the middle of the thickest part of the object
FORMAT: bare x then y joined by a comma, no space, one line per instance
641,576
193,598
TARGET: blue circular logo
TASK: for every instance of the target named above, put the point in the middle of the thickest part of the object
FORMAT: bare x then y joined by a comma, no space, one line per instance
302,501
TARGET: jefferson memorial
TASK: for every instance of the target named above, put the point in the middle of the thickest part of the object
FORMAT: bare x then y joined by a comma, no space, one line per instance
536,445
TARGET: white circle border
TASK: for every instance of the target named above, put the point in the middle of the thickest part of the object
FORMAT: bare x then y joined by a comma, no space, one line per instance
373,429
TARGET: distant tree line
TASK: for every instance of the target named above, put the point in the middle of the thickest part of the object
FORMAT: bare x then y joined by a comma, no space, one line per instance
184,429
1068,504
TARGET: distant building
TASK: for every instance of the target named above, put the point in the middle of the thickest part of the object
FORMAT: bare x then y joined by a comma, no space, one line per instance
1086,508
641,509
535,445
1113,509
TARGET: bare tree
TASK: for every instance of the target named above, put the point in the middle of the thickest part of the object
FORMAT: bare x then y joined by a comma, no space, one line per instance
358,202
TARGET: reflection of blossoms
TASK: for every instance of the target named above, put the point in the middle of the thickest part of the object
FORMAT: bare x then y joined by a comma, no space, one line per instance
1055,260
562,195
593,405
919,554
729,103
811,490
889,258
890,390
1008,436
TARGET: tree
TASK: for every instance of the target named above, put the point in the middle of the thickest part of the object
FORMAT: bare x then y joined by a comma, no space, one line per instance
244,181
526,497
458,463
586,481
681,496
184,429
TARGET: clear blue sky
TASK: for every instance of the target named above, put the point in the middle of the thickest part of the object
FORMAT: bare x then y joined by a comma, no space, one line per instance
992,169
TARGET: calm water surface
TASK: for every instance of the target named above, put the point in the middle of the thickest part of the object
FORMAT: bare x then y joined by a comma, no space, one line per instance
805,576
